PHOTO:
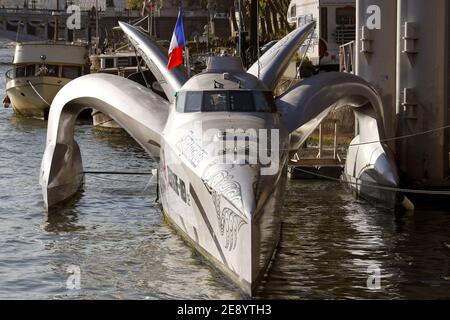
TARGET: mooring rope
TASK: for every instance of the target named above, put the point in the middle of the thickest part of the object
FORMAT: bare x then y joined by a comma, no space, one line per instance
98,175
383,140
34,89
132,173
151,181
374,186
402,137
111,179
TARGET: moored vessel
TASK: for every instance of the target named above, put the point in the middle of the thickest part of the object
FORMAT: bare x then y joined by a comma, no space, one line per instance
40,70
217,189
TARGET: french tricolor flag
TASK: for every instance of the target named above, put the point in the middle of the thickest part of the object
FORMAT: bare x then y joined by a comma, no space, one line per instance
177,44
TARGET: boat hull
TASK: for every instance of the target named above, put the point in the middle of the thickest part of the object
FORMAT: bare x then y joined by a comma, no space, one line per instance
32,96
241,251
231,214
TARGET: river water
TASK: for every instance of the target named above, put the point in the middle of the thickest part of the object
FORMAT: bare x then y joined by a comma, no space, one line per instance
114,233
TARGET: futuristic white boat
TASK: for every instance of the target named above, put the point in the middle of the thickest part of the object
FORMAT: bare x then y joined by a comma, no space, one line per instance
41,69
225,201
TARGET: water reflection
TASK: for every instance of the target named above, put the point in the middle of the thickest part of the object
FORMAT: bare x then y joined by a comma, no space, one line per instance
63,217
25,124
329,241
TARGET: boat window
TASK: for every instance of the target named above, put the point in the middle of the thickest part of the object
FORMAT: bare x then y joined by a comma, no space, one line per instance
123,62
29,70
214,101
53,71
294,11
346,16
24,71
225,101
20,71
241,101
109,63
182,190
180,101
47,70
193,102
71,72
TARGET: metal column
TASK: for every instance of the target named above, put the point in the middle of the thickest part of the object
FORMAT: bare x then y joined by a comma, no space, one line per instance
422,90
376,55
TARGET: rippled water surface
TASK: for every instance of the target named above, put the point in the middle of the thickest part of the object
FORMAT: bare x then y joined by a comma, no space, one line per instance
115,233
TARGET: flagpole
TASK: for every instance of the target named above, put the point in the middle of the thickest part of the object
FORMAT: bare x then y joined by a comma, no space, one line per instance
187,60
96,20
56,32
240,29
149,20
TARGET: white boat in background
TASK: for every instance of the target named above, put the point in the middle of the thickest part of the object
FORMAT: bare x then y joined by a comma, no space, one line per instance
123,64
336,25
40,70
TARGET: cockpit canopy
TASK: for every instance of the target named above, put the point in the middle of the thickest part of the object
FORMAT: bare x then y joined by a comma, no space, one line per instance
225,101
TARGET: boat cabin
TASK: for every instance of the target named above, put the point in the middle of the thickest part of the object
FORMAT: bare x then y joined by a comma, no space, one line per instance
49,59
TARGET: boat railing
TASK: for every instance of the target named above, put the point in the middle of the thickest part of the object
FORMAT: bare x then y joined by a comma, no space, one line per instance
347,57
28,71
9,75
80,43
25,10
118,11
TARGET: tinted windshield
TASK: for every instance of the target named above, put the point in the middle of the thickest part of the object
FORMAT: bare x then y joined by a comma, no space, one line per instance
213,101
225,101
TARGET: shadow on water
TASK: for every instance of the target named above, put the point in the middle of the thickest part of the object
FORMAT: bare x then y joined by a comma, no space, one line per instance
117,138
29,124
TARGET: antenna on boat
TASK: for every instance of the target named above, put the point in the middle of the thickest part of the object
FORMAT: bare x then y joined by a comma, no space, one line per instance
18,30
257,40
140,69
153,14
96,21
56,32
